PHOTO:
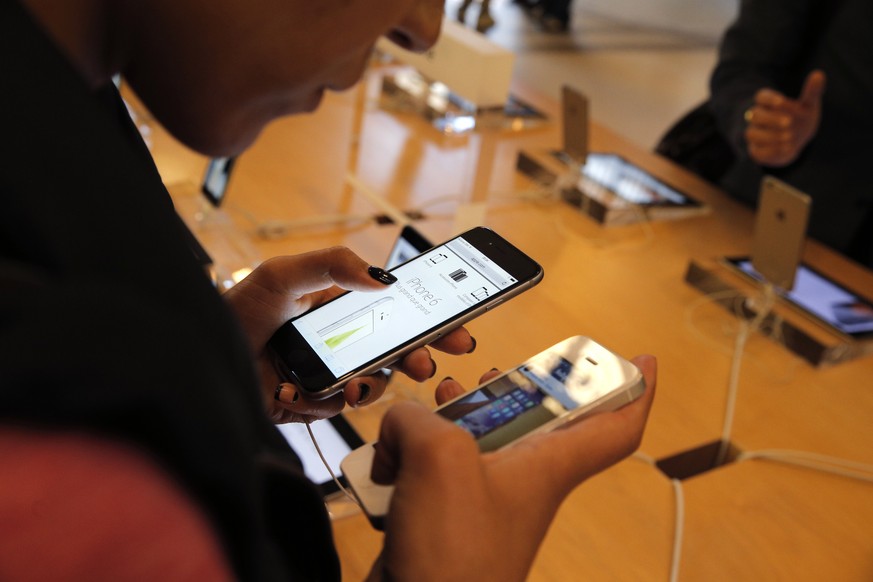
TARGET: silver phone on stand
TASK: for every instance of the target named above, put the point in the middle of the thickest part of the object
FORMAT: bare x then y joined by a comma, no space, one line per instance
780,231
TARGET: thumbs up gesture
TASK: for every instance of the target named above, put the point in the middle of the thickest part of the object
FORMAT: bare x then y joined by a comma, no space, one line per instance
778,128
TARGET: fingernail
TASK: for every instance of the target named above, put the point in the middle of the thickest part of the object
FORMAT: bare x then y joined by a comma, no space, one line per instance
446,378
382,275
286,393
432,374
473,349
494,370
365,393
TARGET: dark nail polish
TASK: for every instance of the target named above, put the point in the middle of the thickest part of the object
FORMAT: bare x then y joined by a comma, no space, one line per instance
365,393
446,378
432,374
382,275
473,349
494,370
286,393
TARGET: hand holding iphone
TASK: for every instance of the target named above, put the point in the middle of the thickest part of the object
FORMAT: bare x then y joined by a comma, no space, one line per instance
566,383
359,333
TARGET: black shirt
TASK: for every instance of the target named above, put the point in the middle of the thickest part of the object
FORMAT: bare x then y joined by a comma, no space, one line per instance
109,325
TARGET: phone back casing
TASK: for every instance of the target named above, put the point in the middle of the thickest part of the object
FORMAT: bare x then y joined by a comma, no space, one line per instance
574,107
780,231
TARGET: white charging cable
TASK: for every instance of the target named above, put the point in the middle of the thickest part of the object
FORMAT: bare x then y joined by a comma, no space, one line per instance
679,516
814,461
336,480
747,328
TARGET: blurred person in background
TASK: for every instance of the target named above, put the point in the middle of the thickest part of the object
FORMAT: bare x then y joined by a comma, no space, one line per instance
137,405
792,94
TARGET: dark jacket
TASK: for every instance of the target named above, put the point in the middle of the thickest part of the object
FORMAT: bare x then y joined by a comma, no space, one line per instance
777,43
109,325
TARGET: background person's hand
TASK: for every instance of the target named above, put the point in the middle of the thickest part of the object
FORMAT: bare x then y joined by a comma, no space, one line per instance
778,127
285,287
457,514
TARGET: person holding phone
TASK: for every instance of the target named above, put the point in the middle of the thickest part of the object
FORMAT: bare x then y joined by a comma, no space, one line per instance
133,428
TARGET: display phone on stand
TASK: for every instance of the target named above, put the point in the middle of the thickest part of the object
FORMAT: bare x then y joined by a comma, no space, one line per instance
566,383
832,304
574,118
409,244
631,183
233,252
216,180
359,333
780,231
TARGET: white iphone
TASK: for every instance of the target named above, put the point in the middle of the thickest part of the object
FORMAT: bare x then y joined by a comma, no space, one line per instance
567,382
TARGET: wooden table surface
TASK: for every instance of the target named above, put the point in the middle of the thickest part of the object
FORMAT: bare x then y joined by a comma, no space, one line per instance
624,286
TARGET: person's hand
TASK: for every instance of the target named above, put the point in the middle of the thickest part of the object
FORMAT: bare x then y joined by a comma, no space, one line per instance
284,287
458,514
778,128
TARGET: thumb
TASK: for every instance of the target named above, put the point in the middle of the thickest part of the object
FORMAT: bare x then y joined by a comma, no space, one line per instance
412,438
813,88
283,287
